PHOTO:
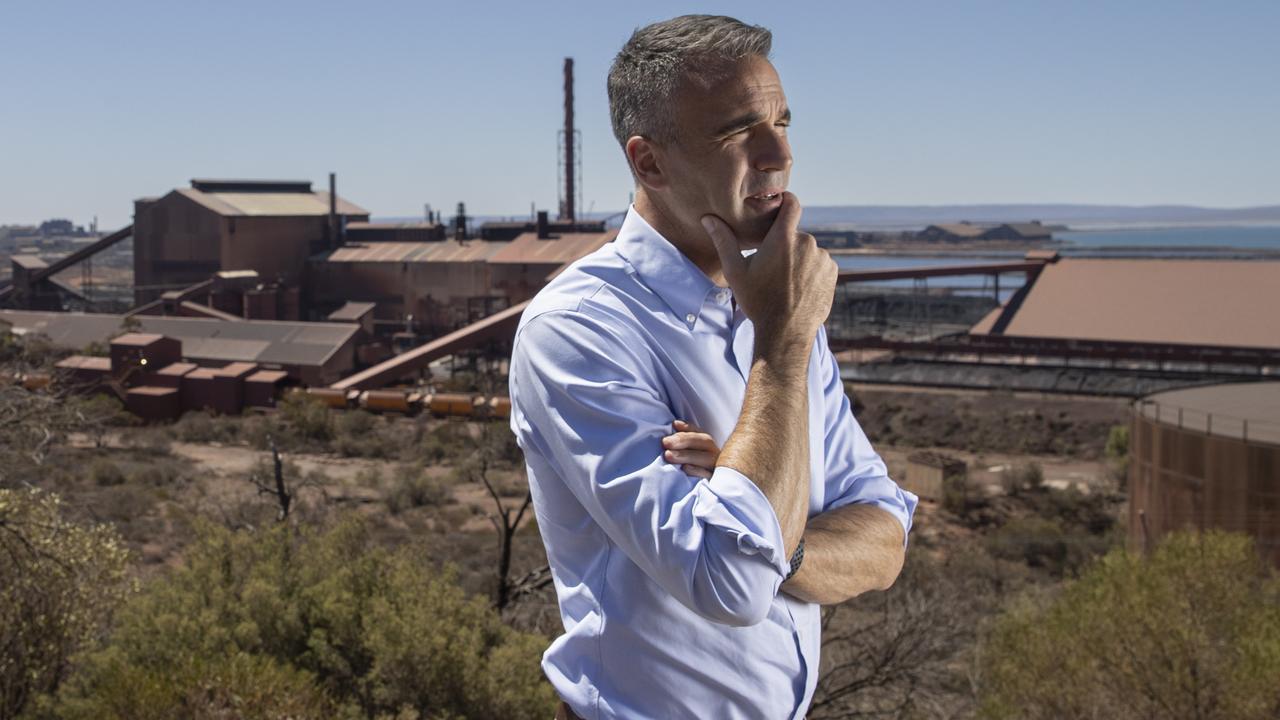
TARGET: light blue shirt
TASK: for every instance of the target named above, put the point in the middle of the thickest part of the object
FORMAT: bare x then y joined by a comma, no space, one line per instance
668,584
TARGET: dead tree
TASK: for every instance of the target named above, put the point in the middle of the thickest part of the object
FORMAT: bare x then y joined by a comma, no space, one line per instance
283,492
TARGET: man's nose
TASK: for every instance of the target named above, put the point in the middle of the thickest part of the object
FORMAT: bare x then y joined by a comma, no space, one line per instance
772,152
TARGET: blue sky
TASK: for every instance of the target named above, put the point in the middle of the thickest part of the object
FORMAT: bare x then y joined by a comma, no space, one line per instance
420,102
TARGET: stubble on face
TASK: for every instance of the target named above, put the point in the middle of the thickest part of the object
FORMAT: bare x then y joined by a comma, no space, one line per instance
731,148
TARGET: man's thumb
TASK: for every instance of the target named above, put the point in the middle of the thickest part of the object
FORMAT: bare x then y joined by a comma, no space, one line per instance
731,260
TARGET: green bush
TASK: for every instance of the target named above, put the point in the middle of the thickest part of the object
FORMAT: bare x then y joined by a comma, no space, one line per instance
306,416
105,473
1118,455
360,434
1192,631
1023,478
205,427
447,442
236,685
59,582
1118,442
415,488
332,618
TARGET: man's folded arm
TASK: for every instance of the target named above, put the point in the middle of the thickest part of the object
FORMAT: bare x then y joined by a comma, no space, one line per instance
857,542
855,472
588,404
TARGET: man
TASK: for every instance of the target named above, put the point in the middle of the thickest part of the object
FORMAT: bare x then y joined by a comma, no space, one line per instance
684,596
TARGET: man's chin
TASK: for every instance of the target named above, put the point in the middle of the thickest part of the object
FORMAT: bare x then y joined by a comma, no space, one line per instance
751,231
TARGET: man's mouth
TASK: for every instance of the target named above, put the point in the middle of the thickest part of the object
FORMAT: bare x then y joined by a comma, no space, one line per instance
765,201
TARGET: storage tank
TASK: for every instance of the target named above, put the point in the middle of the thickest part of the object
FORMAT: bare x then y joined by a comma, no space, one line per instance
1207,458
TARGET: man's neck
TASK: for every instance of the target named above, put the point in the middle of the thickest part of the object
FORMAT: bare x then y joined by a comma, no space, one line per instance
692,242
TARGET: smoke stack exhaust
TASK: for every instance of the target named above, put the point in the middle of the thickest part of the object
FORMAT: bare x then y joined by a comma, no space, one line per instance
567,209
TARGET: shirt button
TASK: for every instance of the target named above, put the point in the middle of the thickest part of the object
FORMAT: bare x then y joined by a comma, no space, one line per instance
690,318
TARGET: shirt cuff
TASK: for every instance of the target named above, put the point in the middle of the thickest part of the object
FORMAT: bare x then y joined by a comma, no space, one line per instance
729,500
890,497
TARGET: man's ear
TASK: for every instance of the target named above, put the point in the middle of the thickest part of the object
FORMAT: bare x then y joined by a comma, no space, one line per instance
646,162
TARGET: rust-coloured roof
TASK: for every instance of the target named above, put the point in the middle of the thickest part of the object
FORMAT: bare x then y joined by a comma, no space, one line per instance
137,339
443,251
528,249
357,225
179,369
1230,303
238,369
152,390
85,362
270,204
29,262
267,376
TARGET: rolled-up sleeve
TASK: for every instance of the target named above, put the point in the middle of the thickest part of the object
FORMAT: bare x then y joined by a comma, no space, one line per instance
855,472
587,404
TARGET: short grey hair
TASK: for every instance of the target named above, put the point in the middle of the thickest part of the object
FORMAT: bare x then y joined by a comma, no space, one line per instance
649,69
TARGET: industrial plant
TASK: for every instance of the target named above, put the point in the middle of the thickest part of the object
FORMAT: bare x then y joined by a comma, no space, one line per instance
244,289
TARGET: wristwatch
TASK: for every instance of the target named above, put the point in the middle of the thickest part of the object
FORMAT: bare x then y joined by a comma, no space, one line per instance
797,557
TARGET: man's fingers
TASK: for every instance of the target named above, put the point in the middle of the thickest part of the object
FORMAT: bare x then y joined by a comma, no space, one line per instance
731,260
696,471
682,426
689,441
788,221
701,458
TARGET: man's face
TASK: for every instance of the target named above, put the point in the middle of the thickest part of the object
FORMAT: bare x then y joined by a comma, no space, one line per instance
731,157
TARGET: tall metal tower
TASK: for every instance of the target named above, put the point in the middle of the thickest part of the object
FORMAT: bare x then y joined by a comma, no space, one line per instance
569,168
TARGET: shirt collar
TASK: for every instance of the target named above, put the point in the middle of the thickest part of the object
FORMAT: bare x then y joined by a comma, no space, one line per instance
662,267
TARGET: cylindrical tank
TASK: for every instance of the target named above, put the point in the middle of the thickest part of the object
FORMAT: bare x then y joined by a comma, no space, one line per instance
1207,457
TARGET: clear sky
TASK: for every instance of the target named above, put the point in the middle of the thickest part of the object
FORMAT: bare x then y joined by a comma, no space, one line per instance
421,102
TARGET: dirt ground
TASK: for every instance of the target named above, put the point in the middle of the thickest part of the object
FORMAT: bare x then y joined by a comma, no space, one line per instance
157,509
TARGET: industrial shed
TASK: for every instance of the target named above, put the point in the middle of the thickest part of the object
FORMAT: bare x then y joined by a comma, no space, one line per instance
269,226
1193,303
444,284
952,232
520,269
432,281
312,353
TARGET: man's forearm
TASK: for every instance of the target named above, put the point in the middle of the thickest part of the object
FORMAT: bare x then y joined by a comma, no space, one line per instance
848,551
770,443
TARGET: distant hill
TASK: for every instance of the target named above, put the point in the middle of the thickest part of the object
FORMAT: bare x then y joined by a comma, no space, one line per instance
1076,216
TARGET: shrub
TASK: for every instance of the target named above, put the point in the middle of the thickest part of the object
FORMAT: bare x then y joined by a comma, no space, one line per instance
59,583
1023,477
205,427
416,488
1192,631
1118,455
105,473
377,632
445,443
306,416
357,433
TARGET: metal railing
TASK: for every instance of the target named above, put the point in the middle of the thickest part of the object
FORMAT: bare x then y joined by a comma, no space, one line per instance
1210,423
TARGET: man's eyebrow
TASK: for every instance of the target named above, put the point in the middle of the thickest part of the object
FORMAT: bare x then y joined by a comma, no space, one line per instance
746,120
